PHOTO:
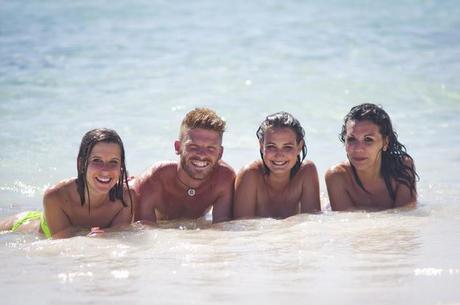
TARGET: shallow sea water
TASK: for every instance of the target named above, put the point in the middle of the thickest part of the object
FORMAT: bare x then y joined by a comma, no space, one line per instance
138,67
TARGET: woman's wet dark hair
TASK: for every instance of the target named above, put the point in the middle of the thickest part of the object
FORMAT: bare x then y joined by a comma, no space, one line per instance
394,157
89,140
281,120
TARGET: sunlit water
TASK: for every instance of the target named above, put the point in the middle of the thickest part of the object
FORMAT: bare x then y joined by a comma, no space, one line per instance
138,67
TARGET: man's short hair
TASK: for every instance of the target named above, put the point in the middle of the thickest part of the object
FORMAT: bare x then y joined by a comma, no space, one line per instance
204,118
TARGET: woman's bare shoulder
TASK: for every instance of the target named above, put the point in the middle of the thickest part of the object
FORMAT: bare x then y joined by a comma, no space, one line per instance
253,169
338,171
129,196
60,192
307,166
408,161
60,187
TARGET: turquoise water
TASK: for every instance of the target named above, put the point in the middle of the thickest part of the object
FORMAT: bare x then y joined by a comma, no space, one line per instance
139,66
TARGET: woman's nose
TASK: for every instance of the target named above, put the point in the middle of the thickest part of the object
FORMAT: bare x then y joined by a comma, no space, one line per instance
359,146
278,153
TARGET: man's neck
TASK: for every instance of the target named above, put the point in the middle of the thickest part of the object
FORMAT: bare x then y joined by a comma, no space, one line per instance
188,181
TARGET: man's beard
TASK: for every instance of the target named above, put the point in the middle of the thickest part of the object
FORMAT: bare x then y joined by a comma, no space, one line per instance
195,174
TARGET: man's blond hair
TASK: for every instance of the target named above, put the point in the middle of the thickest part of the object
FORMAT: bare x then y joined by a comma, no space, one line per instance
204,118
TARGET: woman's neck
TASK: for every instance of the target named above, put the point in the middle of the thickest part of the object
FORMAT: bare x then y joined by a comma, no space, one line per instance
96,199
369,175
277,182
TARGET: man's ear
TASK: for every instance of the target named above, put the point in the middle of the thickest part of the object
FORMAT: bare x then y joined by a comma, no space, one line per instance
221,152
177,145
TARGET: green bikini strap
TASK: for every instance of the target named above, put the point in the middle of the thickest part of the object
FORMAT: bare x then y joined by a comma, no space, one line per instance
44,226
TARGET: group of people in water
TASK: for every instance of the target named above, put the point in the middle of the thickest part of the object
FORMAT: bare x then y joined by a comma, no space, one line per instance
377,174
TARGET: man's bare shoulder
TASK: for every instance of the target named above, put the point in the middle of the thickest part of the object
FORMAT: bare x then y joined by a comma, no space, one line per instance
224,171
162,167
156,172
338,172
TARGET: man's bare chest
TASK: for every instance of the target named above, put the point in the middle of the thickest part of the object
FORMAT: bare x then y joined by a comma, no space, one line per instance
174,206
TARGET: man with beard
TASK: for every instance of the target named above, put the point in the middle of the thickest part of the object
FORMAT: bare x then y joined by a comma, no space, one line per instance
201,180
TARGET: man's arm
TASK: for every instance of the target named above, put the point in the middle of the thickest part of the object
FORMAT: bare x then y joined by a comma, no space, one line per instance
310,202
222,208
144,190
336,189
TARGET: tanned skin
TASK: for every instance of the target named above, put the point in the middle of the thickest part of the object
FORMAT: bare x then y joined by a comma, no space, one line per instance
62,206
276,194
163,189
63,209
364,145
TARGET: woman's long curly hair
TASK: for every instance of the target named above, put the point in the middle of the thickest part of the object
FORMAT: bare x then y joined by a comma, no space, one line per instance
283,120
89,140
394,158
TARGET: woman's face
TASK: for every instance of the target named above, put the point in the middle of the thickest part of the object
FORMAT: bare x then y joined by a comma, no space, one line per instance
104,167
364,144
280,149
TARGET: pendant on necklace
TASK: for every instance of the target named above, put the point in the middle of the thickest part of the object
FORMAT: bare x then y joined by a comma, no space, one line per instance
191,192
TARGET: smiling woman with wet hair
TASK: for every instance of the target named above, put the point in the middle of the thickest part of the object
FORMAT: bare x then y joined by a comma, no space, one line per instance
379,173
99,198
282,183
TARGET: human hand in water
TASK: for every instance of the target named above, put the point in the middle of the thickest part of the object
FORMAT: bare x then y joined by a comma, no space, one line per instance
95,231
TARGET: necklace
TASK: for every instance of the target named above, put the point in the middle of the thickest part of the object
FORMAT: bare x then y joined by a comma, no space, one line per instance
190,190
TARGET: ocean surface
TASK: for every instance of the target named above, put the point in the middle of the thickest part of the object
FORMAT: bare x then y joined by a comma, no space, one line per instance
139,66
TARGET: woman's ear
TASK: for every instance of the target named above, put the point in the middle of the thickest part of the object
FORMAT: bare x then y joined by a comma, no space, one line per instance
299,146
386,142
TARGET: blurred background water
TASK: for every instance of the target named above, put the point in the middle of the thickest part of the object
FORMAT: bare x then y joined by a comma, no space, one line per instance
139,66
